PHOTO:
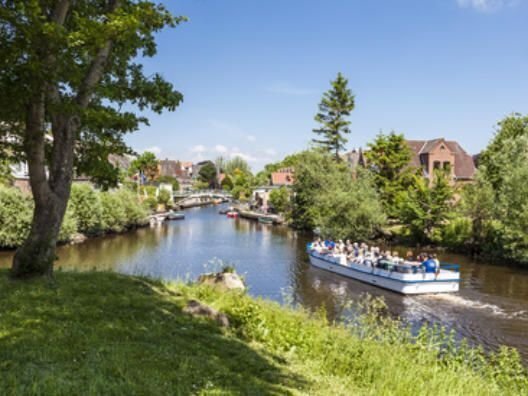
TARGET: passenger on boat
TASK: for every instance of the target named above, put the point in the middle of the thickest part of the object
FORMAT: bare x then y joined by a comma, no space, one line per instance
340,247
329,244
429,265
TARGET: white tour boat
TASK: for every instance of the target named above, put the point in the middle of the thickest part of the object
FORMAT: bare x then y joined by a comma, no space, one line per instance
413,282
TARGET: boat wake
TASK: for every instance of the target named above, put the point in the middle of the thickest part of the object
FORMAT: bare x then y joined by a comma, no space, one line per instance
477,305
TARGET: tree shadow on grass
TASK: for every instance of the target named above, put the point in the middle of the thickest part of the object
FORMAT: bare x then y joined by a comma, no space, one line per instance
100,333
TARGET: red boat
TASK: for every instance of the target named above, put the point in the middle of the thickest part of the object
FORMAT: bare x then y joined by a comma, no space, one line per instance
232,215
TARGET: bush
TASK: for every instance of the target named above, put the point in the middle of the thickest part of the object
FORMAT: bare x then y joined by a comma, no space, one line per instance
164,196
16,212
150,203
136,212
114,216
15,217
87,209
456,234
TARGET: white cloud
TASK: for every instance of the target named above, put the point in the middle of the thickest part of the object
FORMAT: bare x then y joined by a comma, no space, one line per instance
286,88
154,149
198,149
251,138
220,149
244,156
270,152
486,5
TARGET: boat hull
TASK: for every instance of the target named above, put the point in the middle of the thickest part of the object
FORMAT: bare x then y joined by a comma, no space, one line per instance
421,283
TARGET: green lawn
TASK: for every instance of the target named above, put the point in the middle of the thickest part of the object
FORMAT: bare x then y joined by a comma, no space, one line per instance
108,334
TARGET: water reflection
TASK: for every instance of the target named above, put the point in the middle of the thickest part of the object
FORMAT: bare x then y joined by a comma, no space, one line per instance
491,307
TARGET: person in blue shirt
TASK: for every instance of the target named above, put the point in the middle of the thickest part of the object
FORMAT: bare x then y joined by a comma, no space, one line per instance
429,265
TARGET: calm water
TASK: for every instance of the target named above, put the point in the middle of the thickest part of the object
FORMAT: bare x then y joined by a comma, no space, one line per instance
491,308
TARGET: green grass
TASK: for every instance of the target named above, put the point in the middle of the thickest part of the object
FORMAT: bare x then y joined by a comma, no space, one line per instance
102,333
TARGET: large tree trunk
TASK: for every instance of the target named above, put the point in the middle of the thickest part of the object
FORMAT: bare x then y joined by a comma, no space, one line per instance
37,255
51,192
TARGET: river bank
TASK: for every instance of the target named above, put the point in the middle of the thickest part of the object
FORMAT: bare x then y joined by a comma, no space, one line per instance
95,333
490,309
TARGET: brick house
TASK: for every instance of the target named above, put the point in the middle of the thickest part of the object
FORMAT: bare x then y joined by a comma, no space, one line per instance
429,155
283,177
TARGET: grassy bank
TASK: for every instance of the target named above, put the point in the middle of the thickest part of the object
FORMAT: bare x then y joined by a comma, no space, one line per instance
101,333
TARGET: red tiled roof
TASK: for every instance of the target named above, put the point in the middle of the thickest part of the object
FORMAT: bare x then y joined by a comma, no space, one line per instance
464,165
283,177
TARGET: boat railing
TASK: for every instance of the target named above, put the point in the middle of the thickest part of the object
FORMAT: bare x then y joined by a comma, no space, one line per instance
450,267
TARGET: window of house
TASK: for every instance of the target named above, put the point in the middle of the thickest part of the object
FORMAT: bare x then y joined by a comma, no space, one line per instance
447,165
436,165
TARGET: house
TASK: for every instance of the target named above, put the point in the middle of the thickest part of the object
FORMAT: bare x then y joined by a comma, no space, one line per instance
170,168
261,195
283,177
429,155
354,158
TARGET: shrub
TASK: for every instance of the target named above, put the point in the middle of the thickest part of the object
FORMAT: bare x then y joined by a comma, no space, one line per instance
87,209
135,212
114,216
16,212
15,217
164,196
456,234
150,203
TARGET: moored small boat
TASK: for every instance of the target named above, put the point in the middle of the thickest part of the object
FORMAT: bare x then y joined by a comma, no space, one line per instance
232,214
175,215
266,220
410,281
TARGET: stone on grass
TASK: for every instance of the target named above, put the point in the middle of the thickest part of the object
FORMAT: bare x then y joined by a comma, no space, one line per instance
197,309
223,280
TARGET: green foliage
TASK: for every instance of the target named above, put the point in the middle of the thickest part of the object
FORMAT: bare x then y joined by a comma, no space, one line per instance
15,217
86,206
267,350
237,164
146,164
170,180
388,158
280,199
200,185
336,105
16,212
6,177
113,214
426,207
164,197
99,212
456,234
150,203
85,57
227,183
498,202
207,174
326,195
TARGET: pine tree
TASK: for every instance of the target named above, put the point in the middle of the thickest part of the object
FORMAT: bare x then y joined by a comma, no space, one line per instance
335,107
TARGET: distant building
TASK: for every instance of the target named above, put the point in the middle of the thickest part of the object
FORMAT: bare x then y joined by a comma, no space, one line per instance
354,158
429,155
170,168
283,177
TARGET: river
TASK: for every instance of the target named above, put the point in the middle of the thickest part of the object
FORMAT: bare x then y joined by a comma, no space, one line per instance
491,308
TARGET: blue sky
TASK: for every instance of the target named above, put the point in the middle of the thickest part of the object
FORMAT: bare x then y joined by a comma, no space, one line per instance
252,72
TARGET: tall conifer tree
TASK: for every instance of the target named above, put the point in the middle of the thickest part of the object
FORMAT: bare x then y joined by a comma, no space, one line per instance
335,107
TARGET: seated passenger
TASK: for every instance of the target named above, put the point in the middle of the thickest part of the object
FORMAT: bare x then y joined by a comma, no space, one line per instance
429,265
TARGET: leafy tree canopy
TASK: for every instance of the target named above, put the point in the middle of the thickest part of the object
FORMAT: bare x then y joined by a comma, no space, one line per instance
326,195
388,158
335,107
237,163
426,207
72,86
207,174
146,164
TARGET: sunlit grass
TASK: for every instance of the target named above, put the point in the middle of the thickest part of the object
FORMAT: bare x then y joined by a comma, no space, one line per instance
101,333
